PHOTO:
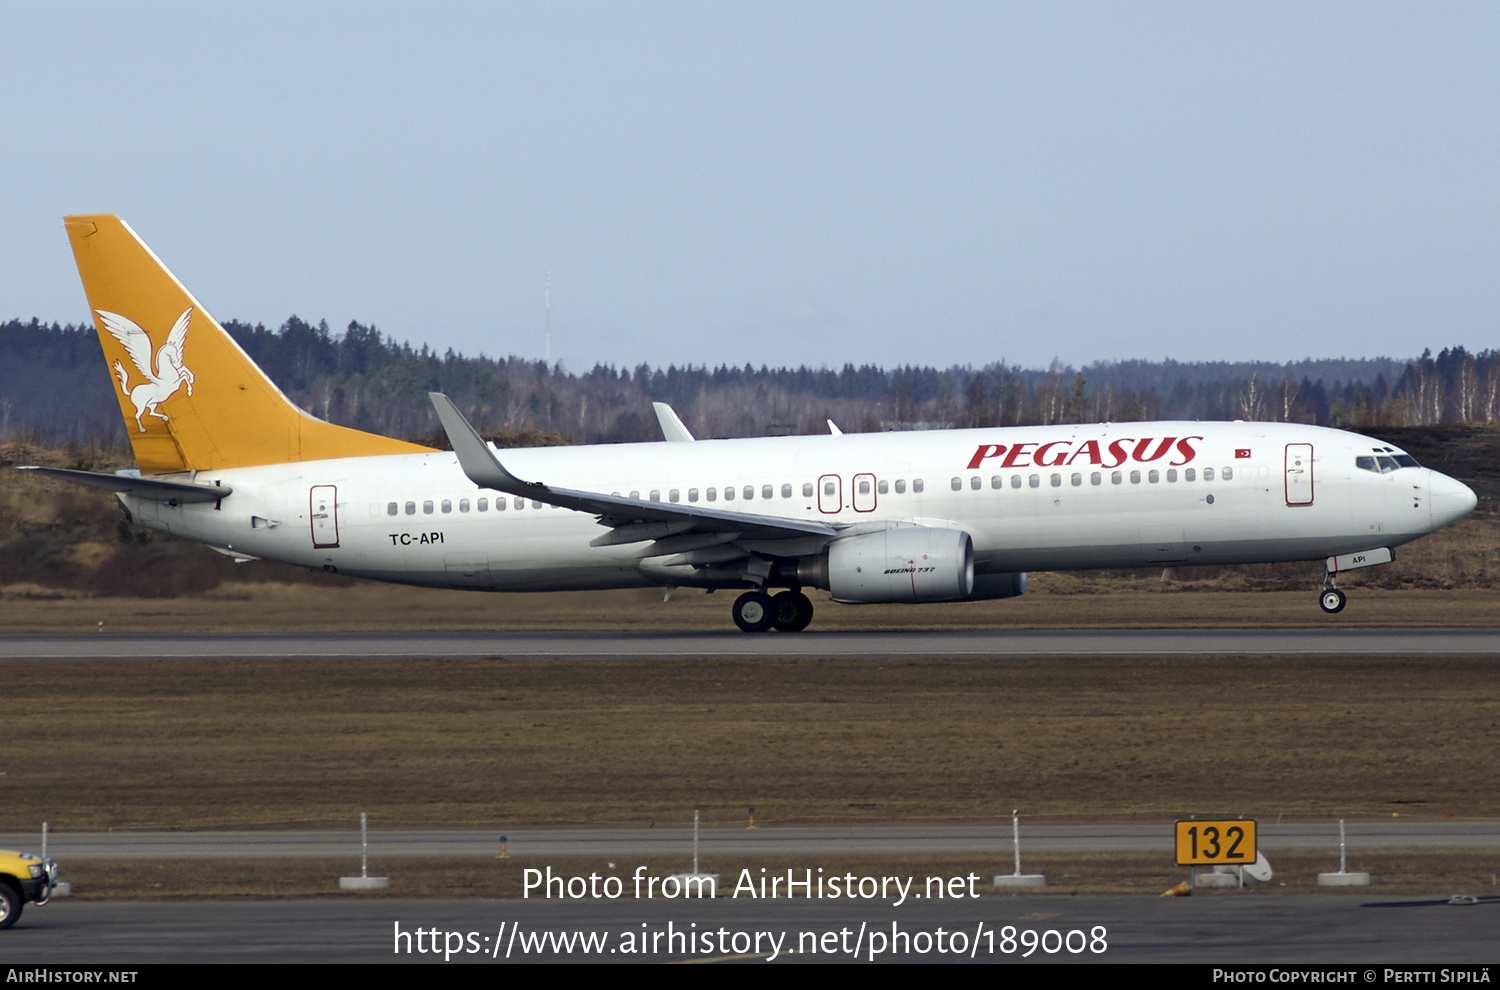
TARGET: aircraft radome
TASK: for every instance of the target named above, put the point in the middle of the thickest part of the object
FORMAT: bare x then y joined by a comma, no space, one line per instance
954,515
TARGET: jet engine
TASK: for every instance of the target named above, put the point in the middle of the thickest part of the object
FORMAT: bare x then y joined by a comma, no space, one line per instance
904,564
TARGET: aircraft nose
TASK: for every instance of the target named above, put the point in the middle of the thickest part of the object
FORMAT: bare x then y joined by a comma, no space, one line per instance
1450,499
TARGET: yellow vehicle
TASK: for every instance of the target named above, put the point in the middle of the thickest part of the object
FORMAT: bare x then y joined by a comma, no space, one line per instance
24,877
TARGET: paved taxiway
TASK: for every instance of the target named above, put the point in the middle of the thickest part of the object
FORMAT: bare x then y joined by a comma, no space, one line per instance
1223,928
965,643
985,840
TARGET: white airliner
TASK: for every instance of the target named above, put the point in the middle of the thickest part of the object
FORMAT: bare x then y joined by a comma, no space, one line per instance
941,516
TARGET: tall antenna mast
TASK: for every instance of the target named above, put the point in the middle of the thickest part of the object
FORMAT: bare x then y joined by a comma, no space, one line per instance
548,291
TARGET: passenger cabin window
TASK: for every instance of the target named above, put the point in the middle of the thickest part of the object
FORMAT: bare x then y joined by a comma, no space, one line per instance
635,494
1229,474
1208,474
1171,474
1135,477
390,507
447,505
864,487
427,507
1190,475
712,495
1015,481
1035,481
1153,476
728,493
882,486
1115,477
520,503
656,496
997,482
1077,480
411,508
917,486
463,505
807,489
1096,478
829,487
1056,481
958,484
766,491
976,483
484,504
674,495
900,486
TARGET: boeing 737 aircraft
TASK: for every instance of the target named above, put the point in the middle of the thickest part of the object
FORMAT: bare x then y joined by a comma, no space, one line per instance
954,515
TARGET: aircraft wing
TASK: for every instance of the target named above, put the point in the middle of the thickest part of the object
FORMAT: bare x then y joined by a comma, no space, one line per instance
674,526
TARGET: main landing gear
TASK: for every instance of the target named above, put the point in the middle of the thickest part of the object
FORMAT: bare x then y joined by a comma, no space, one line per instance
756,611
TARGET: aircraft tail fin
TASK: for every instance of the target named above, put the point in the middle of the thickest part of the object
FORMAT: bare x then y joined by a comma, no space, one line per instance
191,398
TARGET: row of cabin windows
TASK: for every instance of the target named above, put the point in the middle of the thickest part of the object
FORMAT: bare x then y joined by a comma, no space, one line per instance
829,488
673,495
446,505
1095,478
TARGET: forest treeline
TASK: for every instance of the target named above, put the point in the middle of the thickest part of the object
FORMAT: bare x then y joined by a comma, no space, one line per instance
55,388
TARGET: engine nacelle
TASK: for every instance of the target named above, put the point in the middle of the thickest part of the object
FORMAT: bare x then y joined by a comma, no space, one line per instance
991,586
905,564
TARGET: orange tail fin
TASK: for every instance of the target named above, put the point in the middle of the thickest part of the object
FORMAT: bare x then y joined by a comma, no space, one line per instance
191,398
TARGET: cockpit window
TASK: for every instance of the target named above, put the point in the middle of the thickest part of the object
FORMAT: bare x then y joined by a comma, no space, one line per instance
1385,463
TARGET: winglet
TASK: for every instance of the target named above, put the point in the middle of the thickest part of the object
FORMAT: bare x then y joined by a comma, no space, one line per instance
474,455
672,428
833,428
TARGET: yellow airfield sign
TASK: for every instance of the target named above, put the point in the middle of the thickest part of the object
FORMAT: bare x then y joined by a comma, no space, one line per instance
1207,843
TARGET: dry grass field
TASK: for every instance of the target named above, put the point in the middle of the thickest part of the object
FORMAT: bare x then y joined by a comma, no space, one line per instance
482,743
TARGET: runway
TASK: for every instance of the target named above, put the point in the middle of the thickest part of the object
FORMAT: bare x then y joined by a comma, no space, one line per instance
980,840
1371,642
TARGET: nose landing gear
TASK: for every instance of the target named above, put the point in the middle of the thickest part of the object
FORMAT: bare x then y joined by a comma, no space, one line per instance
1332,600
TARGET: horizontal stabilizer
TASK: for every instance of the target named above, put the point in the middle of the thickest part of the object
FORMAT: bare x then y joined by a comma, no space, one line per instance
173,492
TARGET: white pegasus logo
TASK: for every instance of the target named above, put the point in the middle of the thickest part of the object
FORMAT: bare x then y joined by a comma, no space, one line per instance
170,371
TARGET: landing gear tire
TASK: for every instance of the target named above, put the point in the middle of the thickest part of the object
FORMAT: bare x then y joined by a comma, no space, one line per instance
10,905
792,611
753,612
1332,600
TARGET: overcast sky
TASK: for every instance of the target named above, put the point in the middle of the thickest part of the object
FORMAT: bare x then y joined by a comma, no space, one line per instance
810,182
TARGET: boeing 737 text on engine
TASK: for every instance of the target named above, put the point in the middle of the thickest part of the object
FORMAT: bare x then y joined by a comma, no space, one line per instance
225,458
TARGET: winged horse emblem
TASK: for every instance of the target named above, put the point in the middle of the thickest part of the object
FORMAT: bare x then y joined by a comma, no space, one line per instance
170,372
